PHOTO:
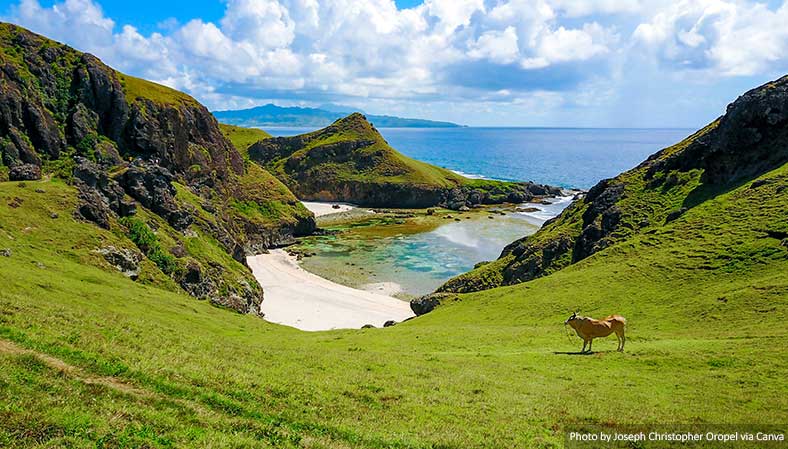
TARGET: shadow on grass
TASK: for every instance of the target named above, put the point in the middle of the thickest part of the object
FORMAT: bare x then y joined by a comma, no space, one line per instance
581,353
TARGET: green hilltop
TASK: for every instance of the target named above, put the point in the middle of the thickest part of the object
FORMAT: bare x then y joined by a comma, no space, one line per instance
350,161
691,247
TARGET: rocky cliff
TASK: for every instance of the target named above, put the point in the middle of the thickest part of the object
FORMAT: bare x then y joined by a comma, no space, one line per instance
142,156
749,140
350,161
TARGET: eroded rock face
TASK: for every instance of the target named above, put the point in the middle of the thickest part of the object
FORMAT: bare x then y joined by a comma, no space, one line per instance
151,185
179,134
99,195
750,138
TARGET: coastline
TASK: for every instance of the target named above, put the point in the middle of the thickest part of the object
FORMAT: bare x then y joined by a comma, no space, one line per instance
297,298
321,209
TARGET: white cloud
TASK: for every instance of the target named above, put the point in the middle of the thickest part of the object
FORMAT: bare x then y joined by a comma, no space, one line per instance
497,46
81,22
461,51
574,44
730,38
265,23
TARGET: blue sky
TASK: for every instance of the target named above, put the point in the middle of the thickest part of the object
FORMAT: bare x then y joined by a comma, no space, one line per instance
614,63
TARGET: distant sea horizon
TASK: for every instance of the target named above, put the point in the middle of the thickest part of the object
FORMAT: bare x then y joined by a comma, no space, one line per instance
569,157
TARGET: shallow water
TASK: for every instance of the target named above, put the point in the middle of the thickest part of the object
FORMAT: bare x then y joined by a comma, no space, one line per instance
420,262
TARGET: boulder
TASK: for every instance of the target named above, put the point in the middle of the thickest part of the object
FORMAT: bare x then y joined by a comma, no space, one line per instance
92,207
425,304
124,260
24,172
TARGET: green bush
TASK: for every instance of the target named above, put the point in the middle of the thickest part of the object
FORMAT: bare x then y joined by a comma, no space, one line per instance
146,240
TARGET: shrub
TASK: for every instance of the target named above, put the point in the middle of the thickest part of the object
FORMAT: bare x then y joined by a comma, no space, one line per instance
147,241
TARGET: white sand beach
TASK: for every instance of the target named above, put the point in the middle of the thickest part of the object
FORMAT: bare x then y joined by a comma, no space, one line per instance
320,209
298,298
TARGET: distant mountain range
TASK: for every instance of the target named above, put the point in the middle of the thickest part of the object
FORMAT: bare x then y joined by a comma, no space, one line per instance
272,115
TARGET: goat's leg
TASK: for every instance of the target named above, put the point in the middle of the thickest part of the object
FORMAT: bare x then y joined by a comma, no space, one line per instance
585,342
590,342
623,341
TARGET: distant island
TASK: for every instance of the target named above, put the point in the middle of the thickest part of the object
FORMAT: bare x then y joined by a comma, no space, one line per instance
273,115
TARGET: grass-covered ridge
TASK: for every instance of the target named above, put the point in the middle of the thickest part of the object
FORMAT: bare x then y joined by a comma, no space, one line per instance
145,161
704,296
366,157
351,161
242,138
137,89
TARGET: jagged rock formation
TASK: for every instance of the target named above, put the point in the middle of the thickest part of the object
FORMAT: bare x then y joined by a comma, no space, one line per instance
130,146
749,140
350,161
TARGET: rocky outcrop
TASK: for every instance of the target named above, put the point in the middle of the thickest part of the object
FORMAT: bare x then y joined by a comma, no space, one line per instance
748,141
151,185
24,172
495,193
99,195
124,260
424,304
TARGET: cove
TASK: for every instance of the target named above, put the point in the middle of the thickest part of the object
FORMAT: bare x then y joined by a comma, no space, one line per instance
409,259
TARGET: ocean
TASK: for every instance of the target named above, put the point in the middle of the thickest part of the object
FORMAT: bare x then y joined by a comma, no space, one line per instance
565,157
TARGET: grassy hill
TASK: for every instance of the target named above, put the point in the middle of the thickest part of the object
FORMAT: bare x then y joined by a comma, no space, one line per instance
146,162
89,357
351,161
242,138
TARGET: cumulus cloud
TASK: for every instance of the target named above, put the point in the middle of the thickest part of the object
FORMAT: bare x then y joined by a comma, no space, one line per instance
732,38
460,51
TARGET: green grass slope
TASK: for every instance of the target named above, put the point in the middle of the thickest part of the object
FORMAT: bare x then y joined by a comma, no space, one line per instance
88,358
372,158
242,138
351,161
